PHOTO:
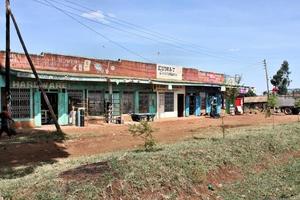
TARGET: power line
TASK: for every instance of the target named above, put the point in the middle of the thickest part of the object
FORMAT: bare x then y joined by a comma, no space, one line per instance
95,31
69,14
157,35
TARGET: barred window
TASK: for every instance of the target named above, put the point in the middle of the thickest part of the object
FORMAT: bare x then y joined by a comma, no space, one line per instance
127,102
169,102
95,103
75,98
143,102
20,103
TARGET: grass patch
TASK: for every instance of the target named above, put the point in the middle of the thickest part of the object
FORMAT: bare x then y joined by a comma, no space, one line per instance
181,170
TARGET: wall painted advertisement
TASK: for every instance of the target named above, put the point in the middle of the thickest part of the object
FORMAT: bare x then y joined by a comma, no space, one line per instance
168,72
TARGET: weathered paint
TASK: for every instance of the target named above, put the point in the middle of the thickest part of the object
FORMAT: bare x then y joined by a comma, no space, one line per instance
219,103
2,81
37,108
198,106
152,103
187,105
136,101
62,108
208,104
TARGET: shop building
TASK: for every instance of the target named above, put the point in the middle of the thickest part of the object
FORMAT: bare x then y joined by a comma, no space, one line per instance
93,84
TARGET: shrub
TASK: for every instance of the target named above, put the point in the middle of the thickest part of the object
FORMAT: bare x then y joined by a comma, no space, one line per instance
272,103
144,130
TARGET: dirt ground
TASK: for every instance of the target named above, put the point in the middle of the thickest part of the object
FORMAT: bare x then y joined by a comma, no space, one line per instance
95,139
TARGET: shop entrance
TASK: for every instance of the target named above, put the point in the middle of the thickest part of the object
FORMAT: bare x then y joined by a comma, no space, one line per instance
45,113
180,104
192,105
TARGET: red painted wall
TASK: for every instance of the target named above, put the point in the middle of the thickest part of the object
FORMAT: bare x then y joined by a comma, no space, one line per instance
195,75
122,68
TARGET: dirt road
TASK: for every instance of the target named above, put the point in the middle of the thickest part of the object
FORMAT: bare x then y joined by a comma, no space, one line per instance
108,138
95,139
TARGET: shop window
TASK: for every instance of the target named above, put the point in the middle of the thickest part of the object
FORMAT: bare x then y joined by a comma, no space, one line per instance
143,102
95,103
169,102
127,102
75,98
20,103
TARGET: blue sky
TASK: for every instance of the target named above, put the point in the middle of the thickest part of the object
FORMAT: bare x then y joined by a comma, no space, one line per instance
232,36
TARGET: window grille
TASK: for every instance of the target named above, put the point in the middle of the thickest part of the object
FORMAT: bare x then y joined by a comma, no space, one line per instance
95,103
75,98
169,102
143,102
127,102
20,103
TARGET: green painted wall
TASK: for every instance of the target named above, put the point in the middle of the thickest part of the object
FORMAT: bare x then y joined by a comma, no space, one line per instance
153,103
37,108
136,101
63,108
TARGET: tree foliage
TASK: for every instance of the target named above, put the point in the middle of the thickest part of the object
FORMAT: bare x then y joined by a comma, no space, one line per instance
144,130
250,93
281,79
272,103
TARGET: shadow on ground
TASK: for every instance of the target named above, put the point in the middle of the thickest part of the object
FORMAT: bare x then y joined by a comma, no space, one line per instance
21,154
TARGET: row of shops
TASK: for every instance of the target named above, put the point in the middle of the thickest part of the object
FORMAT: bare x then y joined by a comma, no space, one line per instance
99,85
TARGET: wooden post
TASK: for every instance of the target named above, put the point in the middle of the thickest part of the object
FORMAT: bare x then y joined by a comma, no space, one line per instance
223,127
39,82
7,59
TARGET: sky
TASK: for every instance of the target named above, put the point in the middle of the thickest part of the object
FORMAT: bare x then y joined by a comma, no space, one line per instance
226,36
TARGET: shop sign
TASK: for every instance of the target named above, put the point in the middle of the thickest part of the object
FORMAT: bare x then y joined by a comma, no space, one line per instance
33,84
244,90
168,72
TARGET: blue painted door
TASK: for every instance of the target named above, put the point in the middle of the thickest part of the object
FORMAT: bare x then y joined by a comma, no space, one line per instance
198,106
63,108
187,105
219,103
208,104
37,108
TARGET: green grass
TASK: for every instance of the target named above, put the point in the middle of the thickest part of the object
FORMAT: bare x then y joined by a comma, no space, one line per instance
174,171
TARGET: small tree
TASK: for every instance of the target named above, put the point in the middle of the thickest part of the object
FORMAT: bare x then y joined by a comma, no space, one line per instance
272,103
144,130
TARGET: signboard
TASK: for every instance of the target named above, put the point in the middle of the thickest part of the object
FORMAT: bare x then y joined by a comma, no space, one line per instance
168,72
33,84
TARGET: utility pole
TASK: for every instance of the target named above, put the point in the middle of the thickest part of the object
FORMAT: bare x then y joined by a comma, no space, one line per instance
7,59
38,80
267,77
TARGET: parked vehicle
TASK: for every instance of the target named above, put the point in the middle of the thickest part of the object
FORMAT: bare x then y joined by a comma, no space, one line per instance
286,104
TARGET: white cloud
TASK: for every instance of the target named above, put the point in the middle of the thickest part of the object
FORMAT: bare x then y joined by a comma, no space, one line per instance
96,15
234,50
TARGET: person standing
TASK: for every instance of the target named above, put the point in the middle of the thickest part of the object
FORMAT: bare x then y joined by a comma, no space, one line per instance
6,123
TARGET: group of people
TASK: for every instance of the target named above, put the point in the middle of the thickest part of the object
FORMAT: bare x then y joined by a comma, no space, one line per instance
6,123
